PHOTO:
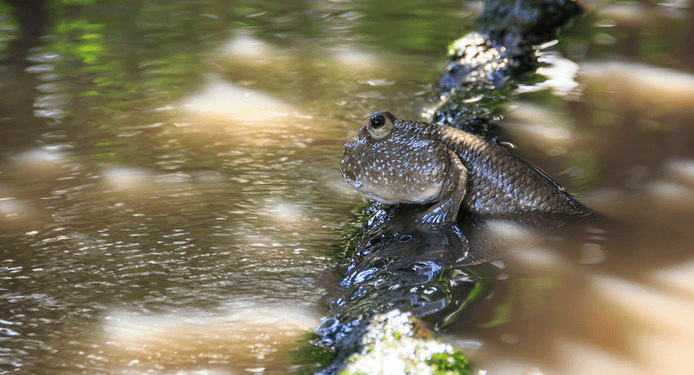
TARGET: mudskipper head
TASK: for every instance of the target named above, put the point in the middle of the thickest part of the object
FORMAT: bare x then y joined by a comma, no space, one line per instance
393,162
356,163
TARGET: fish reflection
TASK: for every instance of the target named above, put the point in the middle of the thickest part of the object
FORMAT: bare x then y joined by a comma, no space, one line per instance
432,271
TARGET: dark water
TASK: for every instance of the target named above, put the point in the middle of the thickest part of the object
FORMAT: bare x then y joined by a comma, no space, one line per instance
169,192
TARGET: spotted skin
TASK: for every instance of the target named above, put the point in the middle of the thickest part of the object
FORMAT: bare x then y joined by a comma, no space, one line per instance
399,161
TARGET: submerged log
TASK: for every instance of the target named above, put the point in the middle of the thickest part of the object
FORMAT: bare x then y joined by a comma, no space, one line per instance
435,273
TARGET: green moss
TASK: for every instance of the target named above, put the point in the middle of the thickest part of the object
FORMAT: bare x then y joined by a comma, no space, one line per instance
449,364
310,357
352,233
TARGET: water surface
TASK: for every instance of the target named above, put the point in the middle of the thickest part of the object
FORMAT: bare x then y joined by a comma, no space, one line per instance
169,192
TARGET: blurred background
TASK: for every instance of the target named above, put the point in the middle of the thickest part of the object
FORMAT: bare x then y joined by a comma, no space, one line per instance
170,193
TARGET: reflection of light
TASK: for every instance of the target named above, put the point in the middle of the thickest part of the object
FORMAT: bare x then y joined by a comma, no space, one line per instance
40,160
677,277
581,357
352,59
611,202
666,320
592,253
628,14
38,156
506,234
681,170
671,196
646,86
539,127
12,208
245,47
52,101
539,259
377,82
560,73
283,211
126,178
243,334
604,39
223,103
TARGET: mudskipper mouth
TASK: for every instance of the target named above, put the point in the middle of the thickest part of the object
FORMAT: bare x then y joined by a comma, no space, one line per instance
348,175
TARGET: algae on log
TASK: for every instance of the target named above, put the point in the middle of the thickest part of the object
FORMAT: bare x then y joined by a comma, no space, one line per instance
434,273
486,64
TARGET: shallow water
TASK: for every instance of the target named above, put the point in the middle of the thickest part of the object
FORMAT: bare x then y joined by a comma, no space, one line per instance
169,192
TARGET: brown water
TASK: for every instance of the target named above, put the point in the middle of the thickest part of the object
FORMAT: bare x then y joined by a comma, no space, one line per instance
169,192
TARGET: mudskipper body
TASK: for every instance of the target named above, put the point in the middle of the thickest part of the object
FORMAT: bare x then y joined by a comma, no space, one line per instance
399,161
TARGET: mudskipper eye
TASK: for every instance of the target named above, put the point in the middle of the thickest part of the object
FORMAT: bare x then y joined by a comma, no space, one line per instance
377,121
380,124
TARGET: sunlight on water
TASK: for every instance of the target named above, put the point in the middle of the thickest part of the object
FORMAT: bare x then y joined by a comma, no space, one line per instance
653,87
560,74
221,102
124,178
244,48
534,126
352,59
240,337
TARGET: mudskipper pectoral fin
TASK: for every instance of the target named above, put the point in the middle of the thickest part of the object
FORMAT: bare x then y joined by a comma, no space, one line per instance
453,191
